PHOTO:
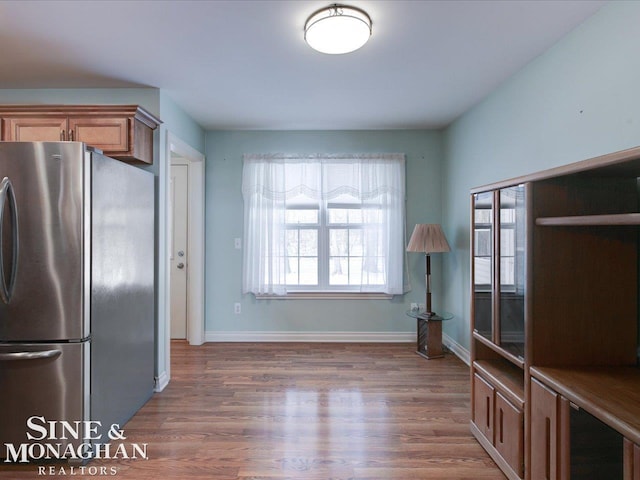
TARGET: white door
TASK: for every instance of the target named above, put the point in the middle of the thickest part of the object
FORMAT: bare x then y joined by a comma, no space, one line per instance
178,249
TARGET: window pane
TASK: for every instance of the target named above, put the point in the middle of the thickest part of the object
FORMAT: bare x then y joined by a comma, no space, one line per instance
299,215
308,271
292,243
355,271
292,271
338,242
355,242
308,242
338,271
372,216
355,216
338,215
373,271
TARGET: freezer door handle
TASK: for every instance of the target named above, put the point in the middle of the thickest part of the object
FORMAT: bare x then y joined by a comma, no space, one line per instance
30,355
6,192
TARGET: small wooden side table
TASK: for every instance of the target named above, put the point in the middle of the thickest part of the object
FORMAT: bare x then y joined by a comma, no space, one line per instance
429,333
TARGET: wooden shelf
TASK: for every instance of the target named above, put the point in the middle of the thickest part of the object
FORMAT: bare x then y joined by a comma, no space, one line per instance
517,361
590,220
608,393
507,377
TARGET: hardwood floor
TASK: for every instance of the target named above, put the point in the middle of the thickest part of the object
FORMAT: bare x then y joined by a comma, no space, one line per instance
302,411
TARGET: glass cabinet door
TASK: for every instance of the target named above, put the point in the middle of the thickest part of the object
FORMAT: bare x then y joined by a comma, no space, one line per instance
512,269
483,263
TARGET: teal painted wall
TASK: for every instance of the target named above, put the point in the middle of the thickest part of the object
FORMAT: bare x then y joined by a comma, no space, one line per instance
578,100
180,124
146,97
224,222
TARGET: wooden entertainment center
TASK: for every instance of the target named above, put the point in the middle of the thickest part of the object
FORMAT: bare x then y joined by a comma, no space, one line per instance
555,382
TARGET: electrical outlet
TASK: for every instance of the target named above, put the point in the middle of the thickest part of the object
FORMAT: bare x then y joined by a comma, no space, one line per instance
237,243
237,308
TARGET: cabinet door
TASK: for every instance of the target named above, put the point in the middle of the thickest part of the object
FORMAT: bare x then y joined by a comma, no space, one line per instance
483,271
34,129
509,433
512,240
631,461
483,407
109,134
550,455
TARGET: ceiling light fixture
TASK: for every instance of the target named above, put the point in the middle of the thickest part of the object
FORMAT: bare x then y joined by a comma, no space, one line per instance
337,29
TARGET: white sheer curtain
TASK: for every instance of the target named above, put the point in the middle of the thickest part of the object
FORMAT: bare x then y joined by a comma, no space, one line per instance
375,182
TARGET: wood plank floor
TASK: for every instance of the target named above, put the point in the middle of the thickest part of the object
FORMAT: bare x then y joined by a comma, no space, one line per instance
303,411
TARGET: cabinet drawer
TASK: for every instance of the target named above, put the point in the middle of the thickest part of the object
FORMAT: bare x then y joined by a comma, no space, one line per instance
509,433
483,407
34,129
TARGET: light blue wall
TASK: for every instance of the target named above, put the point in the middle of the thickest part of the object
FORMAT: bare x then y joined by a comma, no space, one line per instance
180,124
224,222
579,100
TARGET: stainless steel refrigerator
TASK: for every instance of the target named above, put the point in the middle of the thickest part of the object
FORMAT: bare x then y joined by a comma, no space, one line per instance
76,286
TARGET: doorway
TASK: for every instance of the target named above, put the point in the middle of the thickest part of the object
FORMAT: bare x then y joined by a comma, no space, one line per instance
177,151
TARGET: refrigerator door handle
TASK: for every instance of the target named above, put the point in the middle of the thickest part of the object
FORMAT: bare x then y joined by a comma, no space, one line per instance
6,190
30,355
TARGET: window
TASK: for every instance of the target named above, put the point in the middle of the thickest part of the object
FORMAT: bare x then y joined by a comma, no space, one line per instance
323,223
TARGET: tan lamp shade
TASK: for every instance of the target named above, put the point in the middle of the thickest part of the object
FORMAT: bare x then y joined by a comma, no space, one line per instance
428,238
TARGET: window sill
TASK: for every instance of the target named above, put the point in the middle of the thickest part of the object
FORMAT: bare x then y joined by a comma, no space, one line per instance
327,296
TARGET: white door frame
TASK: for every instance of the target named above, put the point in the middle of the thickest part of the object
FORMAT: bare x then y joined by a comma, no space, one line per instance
195,289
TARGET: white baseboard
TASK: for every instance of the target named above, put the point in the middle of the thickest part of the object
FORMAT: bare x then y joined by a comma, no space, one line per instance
161,381
334,337
328,337
457,349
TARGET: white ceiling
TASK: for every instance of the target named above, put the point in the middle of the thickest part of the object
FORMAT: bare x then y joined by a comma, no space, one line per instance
245,65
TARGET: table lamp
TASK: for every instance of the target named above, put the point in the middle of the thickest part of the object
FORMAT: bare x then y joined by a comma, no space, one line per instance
428,238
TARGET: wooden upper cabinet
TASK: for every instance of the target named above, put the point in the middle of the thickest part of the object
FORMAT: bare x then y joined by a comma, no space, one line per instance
34,129
124,132
109,134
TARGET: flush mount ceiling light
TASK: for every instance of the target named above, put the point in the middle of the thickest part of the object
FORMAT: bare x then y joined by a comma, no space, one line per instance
337,29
